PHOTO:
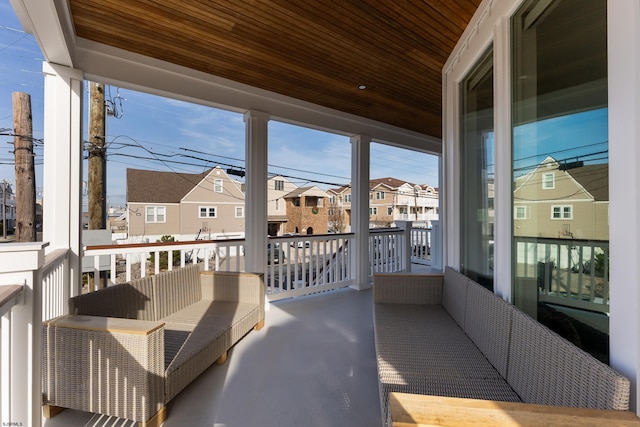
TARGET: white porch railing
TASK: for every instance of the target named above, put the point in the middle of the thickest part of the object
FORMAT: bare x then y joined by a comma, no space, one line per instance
569,272
421,246
305,265
56,288
20,334
151,258
389,249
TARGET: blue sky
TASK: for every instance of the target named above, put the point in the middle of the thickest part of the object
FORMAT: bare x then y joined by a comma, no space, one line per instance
164,130
579,136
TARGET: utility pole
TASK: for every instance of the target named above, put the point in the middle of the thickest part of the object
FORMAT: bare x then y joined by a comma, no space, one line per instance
25,171
97,158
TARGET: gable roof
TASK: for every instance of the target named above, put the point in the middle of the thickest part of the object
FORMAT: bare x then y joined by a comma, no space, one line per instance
389,182
306,191
594,179
160,187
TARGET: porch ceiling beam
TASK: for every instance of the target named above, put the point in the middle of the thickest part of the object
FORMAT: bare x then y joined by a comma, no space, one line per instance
51,24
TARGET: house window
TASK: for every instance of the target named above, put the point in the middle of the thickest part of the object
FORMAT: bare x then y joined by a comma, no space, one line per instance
156,213
347,198
217,185
239,211
208,212
296,202
279,185
550,109
476,164
520,212
562,212
373,211
389,210
379,195
330,212
332,200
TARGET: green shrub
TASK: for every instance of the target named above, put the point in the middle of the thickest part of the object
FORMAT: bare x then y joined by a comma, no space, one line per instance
164,256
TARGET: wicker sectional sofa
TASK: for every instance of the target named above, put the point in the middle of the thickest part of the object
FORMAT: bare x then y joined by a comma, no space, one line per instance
446,335
127,350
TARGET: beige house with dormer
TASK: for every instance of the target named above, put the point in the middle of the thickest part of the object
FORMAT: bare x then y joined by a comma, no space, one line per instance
560,202
209,205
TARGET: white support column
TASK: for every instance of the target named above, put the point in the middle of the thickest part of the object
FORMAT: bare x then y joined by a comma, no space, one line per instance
360,155
407,244
62,198
256,125
623,29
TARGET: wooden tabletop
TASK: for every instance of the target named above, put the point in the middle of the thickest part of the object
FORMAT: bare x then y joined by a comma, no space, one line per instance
105,324
423,410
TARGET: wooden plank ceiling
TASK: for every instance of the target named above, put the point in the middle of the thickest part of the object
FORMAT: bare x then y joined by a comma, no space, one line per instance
317,51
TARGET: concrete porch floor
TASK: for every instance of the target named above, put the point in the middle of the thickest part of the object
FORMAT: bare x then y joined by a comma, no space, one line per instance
313,364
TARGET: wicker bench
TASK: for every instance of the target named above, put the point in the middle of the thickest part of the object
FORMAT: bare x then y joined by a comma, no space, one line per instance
127,350
446,335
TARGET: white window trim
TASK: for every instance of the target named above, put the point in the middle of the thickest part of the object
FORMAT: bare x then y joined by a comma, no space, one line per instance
373,211
562,215
241,209
525,211
379,195
544,181
218,185
156,210
208,208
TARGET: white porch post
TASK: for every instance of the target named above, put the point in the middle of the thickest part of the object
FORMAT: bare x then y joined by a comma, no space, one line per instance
62,198
256,125
624,209
360,155
407,244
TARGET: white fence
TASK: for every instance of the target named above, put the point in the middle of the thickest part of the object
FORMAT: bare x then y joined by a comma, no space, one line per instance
421,246
56,285
388,250
304,265
572,273
296,265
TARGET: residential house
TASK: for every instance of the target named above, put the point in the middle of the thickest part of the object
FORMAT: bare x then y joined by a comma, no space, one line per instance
209,205
307,211
559,203
339,209
391,200
277,188
482,83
